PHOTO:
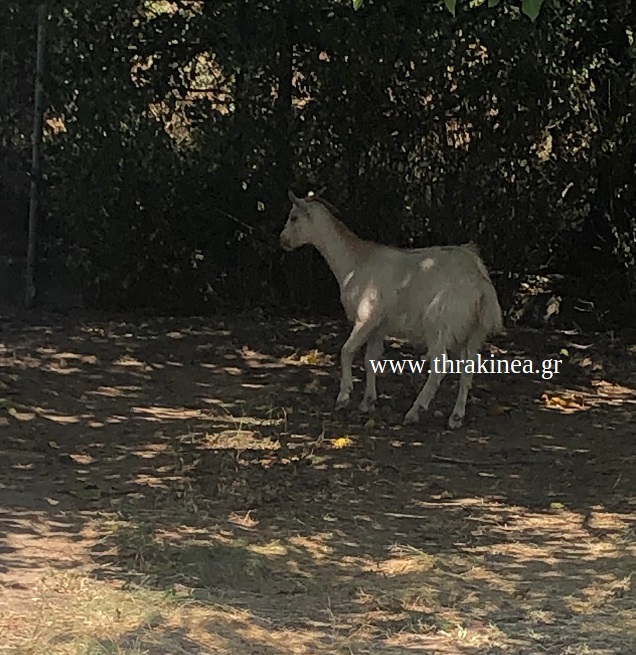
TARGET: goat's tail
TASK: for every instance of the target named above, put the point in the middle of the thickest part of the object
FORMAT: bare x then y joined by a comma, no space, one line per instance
471,246
491,314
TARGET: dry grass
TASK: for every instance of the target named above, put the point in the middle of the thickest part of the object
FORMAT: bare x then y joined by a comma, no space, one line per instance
234,587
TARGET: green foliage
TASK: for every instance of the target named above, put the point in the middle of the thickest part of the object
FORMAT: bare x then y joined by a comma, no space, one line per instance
175,129
530,8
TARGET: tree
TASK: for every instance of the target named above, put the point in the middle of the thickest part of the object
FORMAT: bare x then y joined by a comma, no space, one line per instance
530,8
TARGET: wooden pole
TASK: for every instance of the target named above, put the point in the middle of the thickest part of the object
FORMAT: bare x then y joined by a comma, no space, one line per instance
36,142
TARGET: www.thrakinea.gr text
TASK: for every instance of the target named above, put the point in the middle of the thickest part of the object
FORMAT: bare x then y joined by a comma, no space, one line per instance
479,365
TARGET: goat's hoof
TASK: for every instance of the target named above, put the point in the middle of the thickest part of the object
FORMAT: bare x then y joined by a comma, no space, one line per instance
342,402
455,421
412,416
367,406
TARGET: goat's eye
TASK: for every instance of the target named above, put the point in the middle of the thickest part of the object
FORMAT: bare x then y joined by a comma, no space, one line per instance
293,219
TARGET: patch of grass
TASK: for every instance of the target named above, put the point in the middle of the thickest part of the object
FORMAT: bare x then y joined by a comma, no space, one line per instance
69,613
174,553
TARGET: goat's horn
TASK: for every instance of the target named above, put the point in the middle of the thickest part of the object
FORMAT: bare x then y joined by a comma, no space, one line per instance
293,198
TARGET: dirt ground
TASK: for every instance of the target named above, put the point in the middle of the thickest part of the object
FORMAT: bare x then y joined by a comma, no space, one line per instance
185,487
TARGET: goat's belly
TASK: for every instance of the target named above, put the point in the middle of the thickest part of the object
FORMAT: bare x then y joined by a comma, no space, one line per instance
406,327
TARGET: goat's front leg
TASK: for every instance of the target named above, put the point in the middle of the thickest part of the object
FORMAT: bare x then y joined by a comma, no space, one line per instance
359,335
375,346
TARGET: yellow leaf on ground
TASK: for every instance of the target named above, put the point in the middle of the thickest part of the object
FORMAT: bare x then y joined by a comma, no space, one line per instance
563,402
313,357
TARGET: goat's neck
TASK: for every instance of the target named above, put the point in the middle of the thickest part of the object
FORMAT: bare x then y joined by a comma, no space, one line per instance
341,249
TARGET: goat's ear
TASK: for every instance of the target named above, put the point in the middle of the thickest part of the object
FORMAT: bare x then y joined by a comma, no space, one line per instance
298,202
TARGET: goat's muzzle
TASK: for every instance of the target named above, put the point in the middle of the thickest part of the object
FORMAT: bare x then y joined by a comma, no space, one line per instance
285,245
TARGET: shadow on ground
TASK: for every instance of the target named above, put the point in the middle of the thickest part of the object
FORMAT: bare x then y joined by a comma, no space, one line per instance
185,486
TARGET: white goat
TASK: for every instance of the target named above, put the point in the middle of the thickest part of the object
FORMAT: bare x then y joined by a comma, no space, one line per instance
439,297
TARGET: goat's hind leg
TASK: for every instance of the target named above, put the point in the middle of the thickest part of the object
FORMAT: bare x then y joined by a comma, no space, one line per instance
456,418
375,346
358,337
436,356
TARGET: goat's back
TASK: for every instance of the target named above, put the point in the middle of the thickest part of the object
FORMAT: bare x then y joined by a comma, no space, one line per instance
426,294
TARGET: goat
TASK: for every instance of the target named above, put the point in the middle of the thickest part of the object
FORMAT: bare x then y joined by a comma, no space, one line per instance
440,297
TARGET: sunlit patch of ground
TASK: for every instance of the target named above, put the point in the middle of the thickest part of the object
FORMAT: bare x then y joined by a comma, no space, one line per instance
184,487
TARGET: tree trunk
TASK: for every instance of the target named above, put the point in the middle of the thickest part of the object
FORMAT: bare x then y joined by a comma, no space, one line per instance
36,142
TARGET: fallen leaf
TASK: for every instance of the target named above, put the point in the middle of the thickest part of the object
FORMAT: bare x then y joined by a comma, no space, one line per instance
80,458
314,386
342,442
563,402
313,358
498,409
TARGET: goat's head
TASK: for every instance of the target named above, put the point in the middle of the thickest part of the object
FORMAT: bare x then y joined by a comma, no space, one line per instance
300,226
